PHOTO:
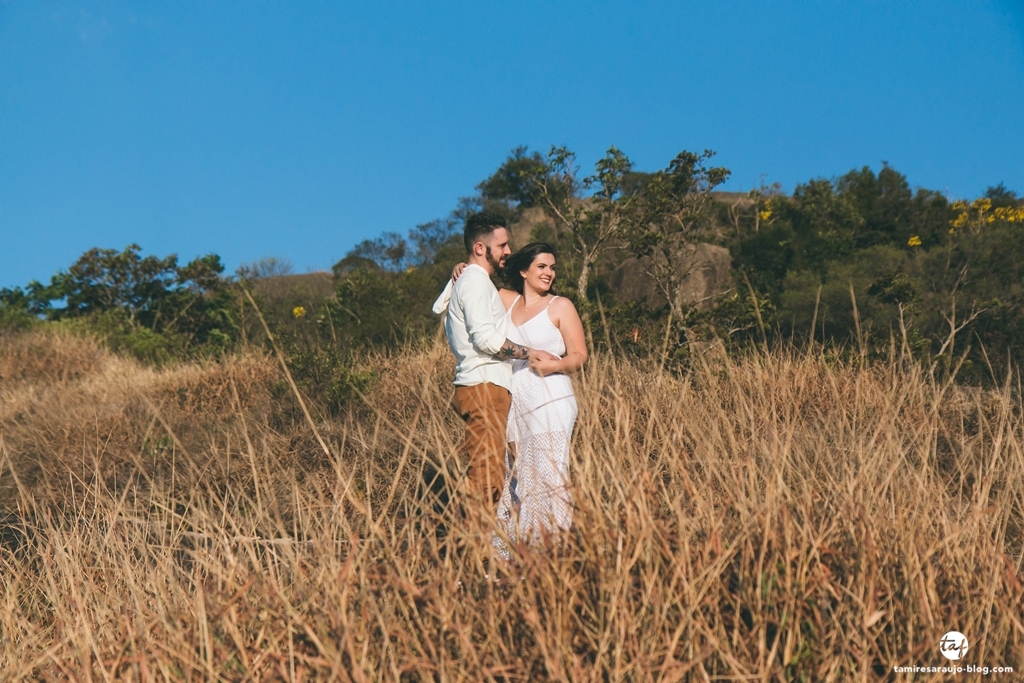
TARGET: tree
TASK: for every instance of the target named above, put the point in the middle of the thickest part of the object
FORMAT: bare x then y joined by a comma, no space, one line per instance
667,218
105,279
393,253
150,305
1001,196
591,223
883,203
389,252
270,266
512,187
429,239
754,210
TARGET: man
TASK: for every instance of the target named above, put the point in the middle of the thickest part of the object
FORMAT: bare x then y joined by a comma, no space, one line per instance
475,328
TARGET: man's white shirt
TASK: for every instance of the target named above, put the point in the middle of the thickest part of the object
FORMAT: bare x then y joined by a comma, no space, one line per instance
476,330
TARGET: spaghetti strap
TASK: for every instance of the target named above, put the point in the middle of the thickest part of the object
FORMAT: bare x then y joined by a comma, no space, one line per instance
552,299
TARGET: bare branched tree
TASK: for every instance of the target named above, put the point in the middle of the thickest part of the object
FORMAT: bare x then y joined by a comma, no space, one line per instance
667,219
589,211
955,326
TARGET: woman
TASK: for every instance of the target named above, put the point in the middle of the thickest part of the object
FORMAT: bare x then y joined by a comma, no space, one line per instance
544,408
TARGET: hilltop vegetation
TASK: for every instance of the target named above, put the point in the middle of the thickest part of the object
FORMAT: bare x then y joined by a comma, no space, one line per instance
861,263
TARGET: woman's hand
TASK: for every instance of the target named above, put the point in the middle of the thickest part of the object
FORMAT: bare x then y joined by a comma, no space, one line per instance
544,366
457,271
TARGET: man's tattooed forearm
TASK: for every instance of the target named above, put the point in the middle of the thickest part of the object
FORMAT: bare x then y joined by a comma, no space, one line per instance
514,351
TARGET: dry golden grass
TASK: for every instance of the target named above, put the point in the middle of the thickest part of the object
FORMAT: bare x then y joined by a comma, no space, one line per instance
775,518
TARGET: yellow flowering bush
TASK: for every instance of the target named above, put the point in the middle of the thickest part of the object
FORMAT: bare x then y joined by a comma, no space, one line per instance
1010,214
299,311
973,215
979,213
914,241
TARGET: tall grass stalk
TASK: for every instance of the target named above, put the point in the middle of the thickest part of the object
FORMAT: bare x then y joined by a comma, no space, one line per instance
779,517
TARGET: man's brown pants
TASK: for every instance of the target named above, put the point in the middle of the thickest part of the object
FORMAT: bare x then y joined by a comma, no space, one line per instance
484,408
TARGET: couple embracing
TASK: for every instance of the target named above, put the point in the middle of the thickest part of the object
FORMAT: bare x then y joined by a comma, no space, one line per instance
514,348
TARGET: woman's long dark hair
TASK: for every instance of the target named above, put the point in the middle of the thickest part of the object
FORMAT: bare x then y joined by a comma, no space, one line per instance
522,260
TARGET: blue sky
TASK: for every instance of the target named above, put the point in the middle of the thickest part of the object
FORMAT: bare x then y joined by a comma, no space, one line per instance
295,129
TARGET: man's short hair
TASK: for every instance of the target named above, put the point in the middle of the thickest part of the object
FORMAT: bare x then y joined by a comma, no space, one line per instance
479,226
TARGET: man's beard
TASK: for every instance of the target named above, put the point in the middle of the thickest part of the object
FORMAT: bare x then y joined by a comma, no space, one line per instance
498,266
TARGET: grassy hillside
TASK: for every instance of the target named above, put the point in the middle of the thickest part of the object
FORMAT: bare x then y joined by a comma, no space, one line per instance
775,516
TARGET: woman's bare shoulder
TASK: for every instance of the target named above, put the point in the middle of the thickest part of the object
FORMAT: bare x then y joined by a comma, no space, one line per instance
562,309
561,304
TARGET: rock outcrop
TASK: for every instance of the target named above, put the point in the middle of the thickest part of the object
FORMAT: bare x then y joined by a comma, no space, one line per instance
519,232
707,269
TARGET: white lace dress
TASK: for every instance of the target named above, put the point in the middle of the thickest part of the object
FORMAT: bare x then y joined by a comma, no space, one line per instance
536,497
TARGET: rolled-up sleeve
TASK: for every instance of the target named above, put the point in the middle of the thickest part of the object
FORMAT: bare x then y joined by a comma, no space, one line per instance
485,320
